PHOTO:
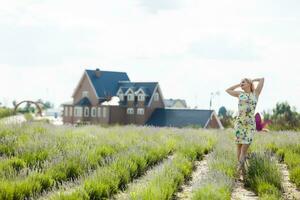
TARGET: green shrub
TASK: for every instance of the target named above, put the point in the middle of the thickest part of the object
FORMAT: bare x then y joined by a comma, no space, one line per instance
292,159
262,170
295,176
5,112
212,192
266,189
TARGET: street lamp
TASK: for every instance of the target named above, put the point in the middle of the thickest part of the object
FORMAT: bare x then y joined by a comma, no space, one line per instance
212,95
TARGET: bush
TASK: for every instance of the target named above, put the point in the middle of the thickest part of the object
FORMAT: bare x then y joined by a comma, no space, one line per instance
212,192
262,174
5,112
295,176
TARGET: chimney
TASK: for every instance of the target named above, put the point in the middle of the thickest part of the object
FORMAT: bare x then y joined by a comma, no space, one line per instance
97,72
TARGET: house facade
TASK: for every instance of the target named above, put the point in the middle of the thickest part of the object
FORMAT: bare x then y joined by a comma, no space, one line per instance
137,100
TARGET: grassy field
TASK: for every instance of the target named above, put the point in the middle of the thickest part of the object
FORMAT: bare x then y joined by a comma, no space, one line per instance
42,161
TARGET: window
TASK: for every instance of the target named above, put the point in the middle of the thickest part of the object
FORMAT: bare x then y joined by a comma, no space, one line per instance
86,111
140,111
104,111
130,111
66,111
141,97
93,112
121,97
78,111
99,111
85,93
130,96
156,96
71,111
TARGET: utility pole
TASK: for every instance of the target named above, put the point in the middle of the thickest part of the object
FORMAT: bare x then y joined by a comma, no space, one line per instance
212,95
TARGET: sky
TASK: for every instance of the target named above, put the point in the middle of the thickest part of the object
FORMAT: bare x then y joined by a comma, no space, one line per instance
191,47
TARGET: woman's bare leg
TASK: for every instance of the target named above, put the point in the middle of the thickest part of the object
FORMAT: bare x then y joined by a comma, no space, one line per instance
244,150
239,148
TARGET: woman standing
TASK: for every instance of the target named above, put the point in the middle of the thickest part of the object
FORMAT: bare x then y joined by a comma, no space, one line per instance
245,122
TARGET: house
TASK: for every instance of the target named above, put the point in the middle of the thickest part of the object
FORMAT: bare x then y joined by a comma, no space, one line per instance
139,103
175,103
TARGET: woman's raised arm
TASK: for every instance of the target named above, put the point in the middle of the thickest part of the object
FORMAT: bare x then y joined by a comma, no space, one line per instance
259,86
232,90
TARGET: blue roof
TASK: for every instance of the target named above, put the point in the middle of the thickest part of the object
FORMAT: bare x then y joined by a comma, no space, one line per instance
179,117
147,87
83,102
107,83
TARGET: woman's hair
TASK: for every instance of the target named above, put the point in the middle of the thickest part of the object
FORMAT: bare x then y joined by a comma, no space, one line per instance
248,80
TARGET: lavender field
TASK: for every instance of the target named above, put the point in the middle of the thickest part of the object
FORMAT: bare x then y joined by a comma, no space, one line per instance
42,161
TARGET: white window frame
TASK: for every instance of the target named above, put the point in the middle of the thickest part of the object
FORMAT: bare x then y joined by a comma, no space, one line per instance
86,111
130,111
78,111
99,112
70,111
104,110
130,96
66,111
140,111
93,112
121,97
156,96
85,93
141,97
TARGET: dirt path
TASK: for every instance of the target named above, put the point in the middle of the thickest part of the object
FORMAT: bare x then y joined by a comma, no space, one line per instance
198,174
241,193
290,191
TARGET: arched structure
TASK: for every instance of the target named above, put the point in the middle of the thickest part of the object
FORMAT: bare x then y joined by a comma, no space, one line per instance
30,102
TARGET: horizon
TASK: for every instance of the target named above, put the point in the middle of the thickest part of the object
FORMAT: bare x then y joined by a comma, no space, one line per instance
191,48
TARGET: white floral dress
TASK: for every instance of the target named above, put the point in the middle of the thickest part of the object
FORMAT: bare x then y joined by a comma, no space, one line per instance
245,125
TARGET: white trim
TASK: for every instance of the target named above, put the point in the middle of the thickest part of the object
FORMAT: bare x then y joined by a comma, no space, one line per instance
218,120
88,77
104,112
94,112
81,79
128,111
99,112
140,89
126,93
142,97
120,91
210,118
139,111
159,92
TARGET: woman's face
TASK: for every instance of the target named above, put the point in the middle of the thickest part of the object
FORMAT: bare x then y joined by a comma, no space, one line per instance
245,84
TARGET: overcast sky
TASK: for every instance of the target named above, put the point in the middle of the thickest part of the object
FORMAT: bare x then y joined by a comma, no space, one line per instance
191,47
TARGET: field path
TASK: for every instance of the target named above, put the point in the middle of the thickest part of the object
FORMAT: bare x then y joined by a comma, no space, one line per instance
241,193
290,191
198,174
142,180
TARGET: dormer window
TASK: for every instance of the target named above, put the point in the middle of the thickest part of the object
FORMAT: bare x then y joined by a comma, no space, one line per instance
85,93
121,97
141,97
130,96
156,96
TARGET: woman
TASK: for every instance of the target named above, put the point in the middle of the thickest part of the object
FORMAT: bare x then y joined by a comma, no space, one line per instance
245,121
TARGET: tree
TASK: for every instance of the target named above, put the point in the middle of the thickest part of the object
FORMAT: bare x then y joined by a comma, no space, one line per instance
226,117
284,117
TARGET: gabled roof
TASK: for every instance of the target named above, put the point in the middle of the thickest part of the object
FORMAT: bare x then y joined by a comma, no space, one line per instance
107,83
171,102
147,87
179,117
83,102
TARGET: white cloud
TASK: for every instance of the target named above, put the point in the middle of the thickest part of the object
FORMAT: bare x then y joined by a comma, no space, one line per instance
191,47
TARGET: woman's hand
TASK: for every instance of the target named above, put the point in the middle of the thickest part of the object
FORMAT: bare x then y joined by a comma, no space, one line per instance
232,90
